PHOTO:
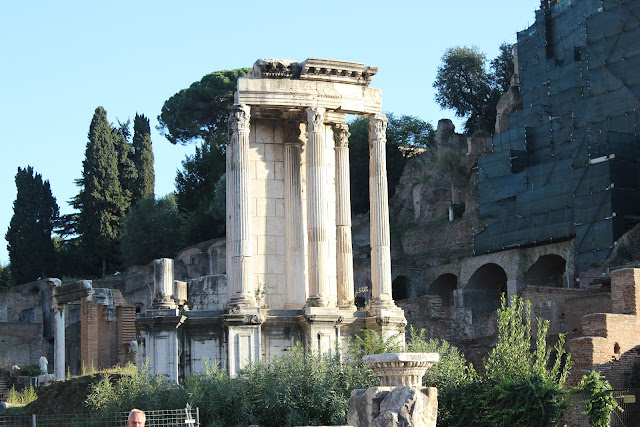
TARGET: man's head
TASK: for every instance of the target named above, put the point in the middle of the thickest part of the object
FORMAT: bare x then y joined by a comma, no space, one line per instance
136,418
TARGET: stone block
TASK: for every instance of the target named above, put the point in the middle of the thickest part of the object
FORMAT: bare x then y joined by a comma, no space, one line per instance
274,152
393,406
275,189
275,226
279,208
265,207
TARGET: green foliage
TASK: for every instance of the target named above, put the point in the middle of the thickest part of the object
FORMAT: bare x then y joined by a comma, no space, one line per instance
151,230
126,170
114,394
502,67
406,136
31,250
451,371
302,388
142,159
101,201
521,386
513,357
598,399
200,112
464,85
369,342
221,400
23,397
30,370
201,193
297,388
5,278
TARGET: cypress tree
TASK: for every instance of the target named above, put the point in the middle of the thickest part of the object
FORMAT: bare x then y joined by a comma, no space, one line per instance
142,159
126,169
31,250
101,201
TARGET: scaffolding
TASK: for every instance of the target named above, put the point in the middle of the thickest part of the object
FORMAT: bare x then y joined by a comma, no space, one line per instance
568,165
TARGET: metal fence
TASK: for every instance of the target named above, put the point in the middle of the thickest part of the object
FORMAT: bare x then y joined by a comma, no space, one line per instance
628,413
186,417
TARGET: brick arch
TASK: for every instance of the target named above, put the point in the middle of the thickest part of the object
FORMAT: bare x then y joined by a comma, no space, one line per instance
548,270
401,288
443,286
485,286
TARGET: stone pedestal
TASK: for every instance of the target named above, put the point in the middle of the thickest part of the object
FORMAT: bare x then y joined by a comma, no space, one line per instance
400,400
244,338
393,407
321,326
162,331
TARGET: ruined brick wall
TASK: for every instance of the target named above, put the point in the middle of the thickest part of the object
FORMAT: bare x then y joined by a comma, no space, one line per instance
22,343
564,307
107,329
611,343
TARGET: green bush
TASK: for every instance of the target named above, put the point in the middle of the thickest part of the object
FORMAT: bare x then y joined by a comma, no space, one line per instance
303,388
451,371
116,393
597,396
521,385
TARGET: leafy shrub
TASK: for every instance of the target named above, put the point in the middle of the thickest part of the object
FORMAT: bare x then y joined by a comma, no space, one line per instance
303,388
521,386
115,393
23,397
598,399
451,371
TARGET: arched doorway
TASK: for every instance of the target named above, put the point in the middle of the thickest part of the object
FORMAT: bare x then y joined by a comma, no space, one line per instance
400,288
484,288
443,287
548,270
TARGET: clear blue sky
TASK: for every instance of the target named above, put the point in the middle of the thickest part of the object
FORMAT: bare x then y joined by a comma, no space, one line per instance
60,60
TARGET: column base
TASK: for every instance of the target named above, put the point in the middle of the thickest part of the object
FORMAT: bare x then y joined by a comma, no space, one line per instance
242,303
318,301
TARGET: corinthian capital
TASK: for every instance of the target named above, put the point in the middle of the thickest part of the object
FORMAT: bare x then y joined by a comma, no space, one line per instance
239,119
341,135
292,132
378,128
315,118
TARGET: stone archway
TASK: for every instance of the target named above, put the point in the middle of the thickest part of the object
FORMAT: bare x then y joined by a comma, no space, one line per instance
443,287
484,289
548,270
401,288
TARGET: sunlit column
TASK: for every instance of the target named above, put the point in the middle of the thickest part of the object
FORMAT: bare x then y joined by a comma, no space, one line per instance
316,225
344,250
239,208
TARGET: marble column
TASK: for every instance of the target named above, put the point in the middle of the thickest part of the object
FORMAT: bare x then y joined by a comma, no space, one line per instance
294,231
316,223
59,331
344,250
379,214
239,237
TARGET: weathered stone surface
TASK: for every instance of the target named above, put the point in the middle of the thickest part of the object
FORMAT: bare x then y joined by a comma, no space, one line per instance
393,406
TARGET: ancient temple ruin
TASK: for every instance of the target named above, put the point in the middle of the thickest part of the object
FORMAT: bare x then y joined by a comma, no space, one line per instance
288,275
